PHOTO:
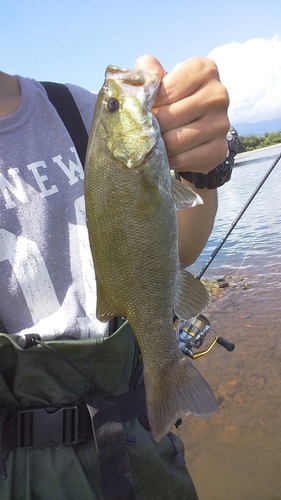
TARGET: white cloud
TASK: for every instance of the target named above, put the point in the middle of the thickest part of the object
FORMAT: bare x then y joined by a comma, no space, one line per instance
251,72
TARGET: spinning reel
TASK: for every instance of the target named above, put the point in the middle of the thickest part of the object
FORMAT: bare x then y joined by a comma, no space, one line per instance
191,334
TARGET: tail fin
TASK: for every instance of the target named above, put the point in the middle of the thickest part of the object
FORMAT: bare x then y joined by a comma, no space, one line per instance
180,391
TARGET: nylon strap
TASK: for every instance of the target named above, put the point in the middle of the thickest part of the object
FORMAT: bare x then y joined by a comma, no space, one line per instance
64,102
5,411
3,329
111,449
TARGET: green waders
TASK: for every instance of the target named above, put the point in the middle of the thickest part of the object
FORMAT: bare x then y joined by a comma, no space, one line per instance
35,467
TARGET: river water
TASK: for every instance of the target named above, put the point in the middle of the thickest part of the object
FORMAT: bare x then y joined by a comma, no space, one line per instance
236,454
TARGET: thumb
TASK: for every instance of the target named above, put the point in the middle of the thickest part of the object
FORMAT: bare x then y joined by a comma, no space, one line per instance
150,63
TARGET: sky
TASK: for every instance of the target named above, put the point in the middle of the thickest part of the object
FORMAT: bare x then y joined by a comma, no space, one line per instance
74,41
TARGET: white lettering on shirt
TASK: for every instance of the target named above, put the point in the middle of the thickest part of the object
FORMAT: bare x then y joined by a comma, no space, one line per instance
33,278
73,167
40,179
17,190
74,173
88,273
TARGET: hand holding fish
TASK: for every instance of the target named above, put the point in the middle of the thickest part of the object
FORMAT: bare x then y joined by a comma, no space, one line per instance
191,108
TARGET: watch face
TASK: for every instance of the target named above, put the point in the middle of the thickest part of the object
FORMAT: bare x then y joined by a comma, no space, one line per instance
232,140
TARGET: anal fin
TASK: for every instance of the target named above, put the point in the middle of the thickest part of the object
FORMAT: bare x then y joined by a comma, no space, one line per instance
192,297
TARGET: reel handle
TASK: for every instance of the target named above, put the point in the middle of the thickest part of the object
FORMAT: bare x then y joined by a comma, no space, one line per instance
229,346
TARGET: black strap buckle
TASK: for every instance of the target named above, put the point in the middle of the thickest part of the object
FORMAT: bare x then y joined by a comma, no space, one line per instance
37,427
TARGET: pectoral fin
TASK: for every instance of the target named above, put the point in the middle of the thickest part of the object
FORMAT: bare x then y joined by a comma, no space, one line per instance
184,196
191,296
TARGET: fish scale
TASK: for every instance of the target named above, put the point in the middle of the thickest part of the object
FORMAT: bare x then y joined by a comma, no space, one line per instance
131,204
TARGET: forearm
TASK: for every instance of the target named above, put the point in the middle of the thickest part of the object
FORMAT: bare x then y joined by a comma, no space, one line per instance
195,224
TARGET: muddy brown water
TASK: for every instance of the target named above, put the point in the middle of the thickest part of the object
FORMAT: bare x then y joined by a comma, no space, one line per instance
236,454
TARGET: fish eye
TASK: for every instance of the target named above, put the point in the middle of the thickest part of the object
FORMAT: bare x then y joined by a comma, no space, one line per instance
112,104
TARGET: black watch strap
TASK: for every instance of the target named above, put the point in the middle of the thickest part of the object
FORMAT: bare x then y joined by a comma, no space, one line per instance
222,173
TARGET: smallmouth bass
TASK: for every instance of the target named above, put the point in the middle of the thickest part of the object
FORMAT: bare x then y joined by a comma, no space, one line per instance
131,203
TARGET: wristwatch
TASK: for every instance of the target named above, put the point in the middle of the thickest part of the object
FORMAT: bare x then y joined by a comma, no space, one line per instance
222,173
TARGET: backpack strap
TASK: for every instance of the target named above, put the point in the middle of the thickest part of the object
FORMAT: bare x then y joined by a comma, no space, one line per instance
62,99
3,329
64,102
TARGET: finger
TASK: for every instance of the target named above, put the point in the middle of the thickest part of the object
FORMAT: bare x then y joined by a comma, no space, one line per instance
208,101
150,63
185,79
202,158
200,131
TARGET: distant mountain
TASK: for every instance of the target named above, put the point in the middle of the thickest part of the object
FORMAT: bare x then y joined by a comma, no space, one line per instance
258,128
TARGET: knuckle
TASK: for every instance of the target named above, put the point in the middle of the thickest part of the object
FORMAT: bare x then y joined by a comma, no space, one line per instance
219,95
222,125
209,67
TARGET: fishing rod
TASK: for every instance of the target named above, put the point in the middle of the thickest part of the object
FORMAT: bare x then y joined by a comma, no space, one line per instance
236,220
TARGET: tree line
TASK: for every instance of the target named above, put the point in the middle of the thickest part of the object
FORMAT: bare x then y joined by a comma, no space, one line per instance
250,142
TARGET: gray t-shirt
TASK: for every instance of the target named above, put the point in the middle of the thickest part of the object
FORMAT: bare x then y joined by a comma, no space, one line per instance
47,279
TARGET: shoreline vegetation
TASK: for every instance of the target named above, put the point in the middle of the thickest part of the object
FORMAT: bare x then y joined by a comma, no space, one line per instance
253,142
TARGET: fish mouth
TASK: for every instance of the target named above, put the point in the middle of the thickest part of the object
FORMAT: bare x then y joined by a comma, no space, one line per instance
135,78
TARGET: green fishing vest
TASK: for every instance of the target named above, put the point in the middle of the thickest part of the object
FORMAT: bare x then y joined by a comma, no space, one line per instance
37,377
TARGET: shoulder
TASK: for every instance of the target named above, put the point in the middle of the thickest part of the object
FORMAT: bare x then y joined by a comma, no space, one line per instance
85,101
32,90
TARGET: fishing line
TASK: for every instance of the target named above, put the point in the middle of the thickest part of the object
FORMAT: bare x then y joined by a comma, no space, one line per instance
236,220
246,255
231,252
